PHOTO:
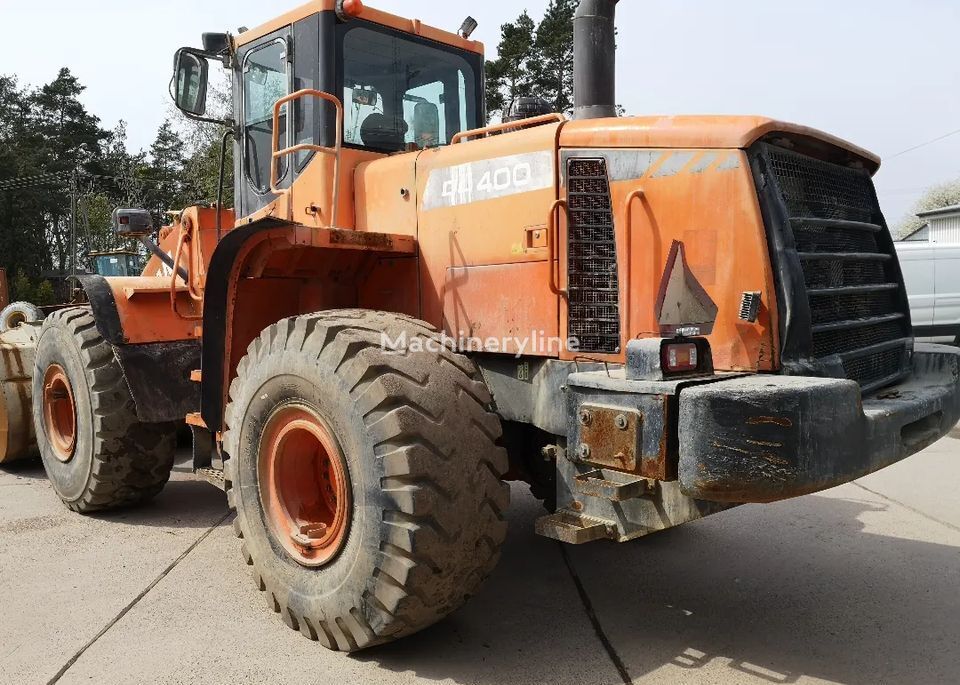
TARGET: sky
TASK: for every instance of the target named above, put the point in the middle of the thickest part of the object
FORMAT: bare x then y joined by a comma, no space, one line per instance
884,74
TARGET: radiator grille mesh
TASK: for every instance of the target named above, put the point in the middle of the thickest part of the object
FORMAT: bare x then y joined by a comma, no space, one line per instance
593,281
836,228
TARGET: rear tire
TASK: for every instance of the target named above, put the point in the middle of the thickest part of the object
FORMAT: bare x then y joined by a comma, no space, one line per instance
95,451
418,440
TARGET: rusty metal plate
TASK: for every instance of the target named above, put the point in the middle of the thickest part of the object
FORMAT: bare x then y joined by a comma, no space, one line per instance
610,436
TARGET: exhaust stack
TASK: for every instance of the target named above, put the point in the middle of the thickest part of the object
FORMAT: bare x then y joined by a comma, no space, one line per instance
594,60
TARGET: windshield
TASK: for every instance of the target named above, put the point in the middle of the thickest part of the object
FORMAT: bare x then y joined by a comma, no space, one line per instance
400,93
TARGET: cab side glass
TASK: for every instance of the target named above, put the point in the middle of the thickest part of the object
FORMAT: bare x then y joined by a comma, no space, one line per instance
190,83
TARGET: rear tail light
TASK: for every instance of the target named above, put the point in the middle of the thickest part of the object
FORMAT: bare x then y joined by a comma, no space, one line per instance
679,357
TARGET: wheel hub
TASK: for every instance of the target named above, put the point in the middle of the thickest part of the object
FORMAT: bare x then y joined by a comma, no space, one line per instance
59,413
304,485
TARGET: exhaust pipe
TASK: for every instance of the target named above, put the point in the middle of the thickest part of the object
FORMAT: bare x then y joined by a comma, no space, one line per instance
594,60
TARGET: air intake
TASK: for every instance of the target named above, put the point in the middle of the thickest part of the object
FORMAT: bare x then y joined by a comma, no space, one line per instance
593,279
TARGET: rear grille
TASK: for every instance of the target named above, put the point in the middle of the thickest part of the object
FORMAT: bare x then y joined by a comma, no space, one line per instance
593,281
874,368
825,223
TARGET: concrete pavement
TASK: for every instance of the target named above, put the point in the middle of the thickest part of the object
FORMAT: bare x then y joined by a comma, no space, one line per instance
856,585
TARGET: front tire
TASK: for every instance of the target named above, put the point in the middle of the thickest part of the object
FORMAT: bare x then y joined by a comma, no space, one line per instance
403,443
95,451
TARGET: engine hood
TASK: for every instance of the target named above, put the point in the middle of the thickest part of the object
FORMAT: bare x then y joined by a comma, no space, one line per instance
711,131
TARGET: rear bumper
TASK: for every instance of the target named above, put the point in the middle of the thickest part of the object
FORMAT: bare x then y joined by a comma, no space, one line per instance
765,438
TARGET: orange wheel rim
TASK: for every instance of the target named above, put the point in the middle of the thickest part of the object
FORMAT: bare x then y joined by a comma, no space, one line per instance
59,412
304,485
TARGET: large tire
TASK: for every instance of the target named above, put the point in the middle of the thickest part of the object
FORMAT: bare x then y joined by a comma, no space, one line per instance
418,438
17,313
113,460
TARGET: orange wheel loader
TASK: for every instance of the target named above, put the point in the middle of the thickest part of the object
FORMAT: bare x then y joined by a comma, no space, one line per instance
648,319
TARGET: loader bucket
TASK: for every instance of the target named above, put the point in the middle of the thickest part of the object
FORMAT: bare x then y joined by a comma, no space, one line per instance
17,436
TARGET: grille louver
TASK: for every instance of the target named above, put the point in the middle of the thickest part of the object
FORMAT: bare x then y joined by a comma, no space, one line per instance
825,223
593,280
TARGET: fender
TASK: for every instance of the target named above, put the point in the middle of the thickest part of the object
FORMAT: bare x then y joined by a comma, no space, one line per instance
271,269
157,373
219,277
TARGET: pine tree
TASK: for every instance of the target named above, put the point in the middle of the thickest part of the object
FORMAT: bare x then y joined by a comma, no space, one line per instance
534,59
509,76
65,138
167,161
553,72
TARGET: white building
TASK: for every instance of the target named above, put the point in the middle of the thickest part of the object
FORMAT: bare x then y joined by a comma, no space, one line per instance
943,226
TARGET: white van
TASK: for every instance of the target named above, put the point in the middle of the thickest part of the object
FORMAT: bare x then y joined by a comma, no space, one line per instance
931,271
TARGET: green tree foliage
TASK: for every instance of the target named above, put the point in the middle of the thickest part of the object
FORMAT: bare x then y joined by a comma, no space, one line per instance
534,59
52,150
44,294
554,54
21,289
510,75
936,197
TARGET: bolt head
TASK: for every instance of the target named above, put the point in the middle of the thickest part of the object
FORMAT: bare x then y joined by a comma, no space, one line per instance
585,417
621,422
584,451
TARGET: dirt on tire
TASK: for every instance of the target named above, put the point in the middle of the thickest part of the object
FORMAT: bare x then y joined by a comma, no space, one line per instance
420,438
117,460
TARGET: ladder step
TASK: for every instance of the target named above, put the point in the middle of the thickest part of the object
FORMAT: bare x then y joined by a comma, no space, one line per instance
613,485
572,528
212,476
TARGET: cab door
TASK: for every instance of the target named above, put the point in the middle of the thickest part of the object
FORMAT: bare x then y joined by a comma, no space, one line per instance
265,76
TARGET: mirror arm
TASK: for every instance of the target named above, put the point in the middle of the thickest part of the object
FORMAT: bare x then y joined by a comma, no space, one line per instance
229,123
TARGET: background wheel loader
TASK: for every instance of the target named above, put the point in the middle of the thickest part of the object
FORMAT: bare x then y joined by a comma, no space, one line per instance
649,319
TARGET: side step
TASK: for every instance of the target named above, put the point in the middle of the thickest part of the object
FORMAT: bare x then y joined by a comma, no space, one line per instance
615,486
573,529
212,476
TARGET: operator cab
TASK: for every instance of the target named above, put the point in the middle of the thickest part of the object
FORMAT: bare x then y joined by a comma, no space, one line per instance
401,90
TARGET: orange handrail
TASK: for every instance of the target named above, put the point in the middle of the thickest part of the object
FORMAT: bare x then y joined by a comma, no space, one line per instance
497,128
628,249
638,194
552,238
307,147
173,280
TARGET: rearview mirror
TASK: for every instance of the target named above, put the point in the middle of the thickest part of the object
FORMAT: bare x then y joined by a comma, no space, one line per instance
190,82
132,223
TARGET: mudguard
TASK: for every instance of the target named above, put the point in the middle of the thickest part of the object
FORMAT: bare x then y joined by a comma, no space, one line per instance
157,374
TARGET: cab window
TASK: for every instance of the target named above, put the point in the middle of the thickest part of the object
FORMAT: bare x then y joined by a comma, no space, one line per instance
265,80
400,93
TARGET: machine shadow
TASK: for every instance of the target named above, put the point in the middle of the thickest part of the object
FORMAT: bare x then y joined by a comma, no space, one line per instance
185,502
30,469
757,594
